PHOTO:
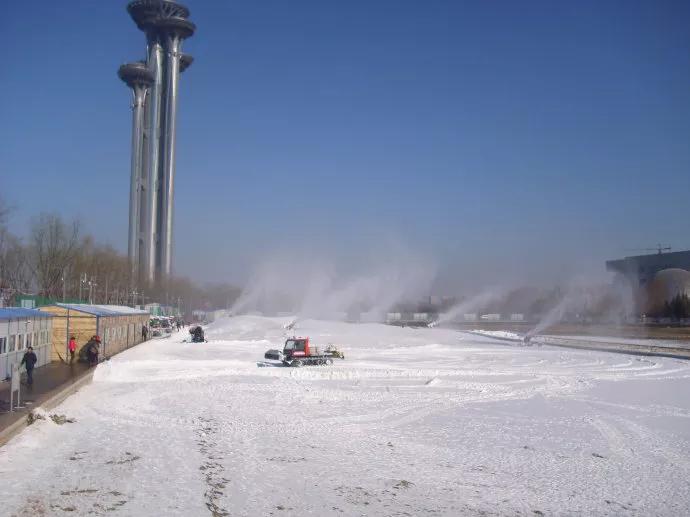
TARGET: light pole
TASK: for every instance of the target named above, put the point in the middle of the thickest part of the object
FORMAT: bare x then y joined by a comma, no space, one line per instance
26,334
92,286
82,282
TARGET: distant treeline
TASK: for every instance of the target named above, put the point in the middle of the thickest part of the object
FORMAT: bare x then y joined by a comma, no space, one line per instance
676,309
56,260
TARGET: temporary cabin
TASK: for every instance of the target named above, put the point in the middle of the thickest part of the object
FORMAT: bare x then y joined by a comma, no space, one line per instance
19,329
118,327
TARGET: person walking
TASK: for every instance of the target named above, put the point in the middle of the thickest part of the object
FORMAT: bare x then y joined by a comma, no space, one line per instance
72,349
144,332
30,361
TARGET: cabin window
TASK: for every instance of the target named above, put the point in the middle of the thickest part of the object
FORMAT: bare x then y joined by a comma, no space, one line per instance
3,345
13,342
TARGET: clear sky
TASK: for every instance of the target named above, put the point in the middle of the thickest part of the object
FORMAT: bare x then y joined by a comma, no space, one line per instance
504,139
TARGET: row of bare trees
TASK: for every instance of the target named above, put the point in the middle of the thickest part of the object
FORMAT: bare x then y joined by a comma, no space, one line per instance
57,261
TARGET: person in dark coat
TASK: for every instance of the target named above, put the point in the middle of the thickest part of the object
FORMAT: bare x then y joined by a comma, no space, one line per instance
197,334
92,350
30,361
144,332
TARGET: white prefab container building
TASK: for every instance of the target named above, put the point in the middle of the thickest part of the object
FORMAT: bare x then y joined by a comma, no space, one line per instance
393,317
119,327
19,329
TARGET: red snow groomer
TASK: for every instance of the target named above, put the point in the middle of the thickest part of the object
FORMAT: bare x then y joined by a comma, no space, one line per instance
298,352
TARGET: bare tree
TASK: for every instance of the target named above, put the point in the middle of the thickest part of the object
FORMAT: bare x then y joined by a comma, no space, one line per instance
4,238
17,274
12,267
5,209
53,245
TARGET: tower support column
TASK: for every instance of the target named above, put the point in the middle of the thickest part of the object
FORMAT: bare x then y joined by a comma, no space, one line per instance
152,190
151,232
168,131
138,78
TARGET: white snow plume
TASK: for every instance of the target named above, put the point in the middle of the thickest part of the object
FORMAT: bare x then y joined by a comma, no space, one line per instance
584,300
306,285
472,304
555,315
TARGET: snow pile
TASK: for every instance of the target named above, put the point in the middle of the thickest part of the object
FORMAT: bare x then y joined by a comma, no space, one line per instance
498,333
413,421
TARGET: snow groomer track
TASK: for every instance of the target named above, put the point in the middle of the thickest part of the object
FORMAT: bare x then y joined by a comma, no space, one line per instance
659,348
413,422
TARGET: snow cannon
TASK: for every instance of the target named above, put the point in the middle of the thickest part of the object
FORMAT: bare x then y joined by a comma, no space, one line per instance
527,340
290,325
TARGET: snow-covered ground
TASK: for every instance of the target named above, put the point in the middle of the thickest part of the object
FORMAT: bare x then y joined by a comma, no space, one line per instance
412,422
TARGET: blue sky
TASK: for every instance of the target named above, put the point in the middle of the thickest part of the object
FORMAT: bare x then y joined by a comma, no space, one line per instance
504,139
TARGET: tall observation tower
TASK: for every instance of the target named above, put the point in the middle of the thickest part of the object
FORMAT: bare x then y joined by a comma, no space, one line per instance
154,84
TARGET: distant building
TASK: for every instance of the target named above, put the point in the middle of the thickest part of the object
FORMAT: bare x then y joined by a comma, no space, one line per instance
640,270
156,309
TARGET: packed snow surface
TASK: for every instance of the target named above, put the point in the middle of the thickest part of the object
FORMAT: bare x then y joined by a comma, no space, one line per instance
667,343
412,422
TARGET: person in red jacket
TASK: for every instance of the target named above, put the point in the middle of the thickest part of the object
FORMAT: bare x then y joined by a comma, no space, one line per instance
72,349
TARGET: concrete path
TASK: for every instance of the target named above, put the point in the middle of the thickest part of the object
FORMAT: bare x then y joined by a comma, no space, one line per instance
52,384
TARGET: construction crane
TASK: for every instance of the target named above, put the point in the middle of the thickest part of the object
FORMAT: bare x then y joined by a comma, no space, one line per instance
659,249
